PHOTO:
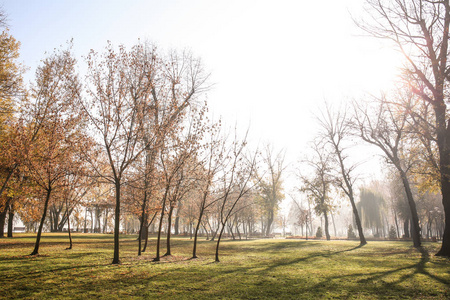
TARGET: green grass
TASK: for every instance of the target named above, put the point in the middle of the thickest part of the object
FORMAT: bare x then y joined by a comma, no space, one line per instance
256,269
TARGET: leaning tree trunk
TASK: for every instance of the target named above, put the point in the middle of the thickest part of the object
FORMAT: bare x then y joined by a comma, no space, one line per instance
362,238
218,242
70,233
199,221
412,205
41,225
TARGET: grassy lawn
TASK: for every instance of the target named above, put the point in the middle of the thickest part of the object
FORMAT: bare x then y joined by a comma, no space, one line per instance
256,269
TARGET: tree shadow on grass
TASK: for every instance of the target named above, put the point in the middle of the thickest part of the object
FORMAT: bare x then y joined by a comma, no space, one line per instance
385,277
312,256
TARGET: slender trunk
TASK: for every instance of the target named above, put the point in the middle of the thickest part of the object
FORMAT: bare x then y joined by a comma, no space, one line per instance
145,238
70,233
143,220
85,220
169,225
334,224
199,221
327,233
406,228
41,225
230,230
10,220
269,223
116,259
412,205
362,238
177,225
396,224
161,218
218,242
147,229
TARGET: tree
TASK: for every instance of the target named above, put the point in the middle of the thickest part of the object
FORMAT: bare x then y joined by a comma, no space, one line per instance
10,88
125,88
270,184
371,208
337,129
234,183
50,151
386,129
213,154
317,185
420,30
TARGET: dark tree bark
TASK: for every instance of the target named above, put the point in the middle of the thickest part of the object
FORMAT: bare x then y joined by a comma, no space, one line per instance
10,220
116,259
169,227
3,215
41,224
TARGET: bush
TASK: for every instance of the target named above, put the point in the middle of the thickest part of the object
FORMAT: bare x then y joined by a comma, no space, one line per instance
319,232
392,233
350,233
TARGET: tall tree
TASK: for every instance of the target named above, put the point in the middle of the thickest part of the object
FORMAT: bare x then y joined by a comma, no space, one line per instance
50,152
270,184
235,183
337,129
317,185
420,30
385,128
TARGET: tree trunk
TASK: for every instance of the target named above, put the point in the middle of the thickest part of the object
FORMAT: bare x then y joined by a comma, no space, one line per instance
161,218
334,225
327,233
41,225
218,242
445,189
406,228
10,220
269,223
169,225
70,233
143,220
116,259
3,217
396,224
412,205
194,250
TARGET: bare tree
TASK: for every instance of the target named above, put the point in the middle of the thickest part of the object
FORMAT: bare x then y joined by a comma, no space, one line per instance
386,129
420,30
212,163
337,129
235,183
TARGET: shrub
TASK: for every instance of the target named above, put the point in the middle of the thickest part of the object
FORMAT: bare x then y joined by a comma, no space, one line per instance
392,233
350,233
319,232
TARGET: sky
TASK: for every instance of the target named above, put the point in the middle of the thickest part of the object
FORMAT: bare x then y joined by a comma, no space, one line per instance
272,62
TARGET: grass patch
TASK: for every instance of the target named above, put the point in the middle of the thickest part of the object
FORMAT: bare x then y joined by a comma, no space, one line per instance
256,269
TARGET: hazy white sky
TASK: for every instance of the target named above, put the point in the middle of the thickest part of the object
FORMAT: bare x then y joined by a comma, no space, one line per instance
273,62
